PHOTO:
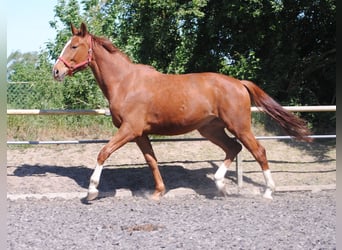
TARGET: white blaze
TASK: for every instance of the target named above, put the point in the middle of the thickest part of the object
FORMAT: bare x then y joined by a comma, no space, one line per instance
66,45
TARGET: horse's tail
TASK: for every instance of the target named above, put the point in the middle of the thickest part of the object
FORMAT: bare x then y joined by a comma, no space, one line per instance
292,124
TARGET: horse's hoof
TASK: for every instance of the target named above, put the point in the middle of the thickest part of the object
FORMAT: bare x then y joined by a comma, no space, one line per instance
92,195
268,194
221,187
157,195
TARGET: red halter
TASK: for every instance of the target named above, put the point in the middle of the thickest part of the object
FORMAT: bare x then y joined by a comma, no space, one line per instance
81,65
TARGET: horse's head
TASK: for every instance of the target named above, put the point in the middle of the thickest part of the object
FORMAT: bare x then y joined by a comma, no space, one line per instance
76,55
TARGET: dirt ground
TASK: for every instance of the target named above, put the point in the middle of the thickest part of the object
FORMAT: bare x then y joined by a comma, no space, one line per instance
41,169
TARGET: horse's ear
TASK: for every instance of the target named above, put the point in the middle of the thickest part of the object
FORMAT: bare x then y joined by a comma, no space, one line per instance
74,30
83,30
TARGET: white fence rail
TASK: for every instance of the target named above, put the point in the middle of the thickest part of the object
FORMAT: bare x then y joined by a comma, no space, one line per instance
107,112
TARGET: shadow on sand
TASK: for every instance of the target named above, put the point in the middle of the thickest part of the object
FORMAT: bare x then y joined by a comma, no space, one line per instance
137,178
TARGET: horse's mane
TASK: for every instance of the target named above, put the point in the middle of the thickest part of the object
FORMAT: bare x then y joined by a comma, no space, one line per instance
108,45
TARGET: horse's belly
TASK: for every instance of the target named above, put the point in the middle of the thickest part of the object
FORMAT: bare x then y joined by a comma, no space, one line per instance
176,127
170,130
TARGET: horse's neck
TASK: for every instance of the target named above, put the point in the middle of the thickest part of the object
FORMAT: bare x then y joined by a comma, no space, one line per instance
108,68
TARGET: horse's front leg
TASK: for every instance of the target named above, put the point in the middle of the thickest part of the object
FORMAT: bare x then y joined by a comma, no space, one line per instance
123,136
146,148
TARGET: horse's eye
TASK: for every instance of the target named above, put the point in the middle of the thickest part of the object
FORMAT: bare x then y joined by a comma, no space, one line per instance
74,46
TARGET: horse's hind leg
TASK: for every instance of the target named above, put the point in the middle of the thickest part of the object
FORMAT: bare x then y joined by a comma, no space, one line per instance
146,148
259,153
216,134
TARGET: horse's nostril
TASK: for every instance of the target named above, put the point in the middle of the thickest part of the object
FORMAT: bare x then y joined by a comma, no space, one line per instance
56,72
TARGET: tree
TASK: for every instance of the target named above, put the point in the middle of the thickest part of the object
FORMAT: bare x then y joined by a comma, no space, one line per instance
34,86
17,61
301,53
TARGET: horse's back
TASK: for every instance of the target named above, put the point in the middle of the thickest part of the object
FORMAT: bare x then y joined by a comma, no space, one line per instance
180,103
209,90
199,82
219,89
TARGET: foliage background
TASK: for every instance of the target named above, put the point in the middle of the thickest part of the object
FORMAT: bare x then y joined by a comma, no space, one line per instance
288,48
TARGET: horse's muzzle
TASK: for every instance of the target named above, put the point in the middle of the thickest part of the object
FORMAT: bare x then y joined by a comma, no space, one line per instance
59,73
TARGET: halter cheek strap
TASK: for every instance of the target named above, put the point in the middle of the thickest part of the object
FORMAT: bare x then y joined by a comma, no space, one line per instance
82,65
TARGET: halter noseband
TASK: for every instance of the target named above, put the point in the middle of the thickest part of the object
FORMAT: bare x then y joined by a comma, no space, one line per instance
81,65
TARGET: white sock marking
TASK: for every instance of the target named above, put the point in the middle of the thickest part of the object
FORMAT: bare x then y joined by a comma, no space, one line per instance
219,176
95,178
269,179
270,186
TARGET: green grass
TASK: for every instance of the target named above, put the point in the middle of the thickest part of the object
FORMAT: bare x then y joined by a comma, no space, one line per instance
27,127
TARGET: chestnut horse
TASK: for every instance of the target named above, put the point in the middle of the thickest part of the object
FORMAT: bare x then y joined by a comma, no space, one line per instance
144,101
